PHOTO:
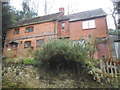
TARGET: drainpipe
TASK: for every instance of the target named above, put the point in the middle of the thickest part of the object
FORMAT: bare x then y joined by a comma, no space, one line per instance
55,28
109,49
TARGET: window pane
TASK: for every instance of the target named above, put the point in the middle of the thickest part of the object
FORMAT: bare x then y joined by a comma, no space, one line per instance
28,44
88,24
92,24
16,31
85,24
29,29
63,25
40,42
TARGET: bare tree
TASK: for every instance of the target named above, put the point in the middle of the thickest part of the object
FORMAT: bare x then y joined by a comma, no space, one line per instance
48,4
114,11
35,5
114,18
70,8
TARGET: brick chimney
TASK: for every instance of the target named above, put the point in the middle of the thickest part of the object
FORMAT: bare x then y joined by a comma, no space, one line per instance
62,10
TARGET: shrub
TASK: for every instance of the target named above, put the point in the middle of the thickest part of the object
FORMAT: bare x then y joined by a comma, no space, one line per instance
60,54
28,60
10,60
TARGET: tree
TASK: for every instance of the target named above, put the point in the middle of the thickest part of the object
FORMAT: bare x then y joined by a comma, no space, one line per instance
47,6
115,11
10,16
70,8
27,11
7,19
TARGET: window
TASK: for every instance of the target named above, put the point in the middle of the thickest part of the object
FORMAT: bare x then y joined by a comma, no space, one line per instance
20,42
82,42
16,31
88,24
63,25
29,29
40,42
27,44
117,48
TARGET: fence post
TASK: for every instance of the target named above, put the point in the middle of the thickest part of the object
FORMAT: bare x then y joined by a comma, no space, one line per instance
115,68
101,65
107,66
111,67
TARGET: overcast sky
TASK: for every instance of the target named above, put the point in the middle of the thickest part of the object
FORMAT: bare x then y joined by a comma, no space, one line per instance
76,6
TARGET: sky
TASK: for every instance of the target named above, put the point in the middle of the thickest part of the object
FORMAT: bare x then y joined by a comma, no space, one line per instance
75,6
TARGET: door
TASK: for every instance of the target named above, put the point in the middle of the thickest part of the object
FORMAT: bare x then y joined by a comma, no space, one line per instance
102,50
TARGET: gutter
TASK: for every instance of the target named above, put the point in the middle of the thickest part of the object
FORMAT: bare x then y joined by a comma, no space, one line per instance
80,19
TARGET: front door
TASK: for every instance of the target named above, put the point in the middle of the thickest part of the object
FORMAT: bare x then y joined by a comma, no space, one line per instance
102,50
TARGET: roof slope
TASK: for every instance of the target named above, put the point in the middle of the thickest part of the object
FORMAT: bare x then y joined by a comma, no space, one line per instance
72,17
45,18
85,15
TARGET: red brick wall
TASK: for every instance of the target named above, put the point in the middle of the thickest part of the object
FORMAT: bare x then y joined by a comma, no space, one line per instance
38,29
63,32
72,29
44,31
76,30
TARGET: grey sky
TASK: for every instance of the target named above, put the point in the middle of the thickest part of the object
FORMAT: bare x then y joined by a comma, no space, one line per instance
76,6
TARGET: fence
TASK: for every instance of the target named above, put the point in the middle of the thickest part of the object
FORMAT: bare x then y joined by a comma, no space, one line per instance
110,66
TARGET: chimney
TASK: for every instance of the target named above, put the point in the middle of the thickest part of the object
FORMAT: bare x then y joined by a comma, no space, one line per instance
62,10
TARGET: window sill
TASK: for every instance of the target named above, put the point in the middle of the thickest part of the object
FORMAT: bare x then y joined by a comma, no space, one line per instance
27,47
39,46
88,28
28,32
16,34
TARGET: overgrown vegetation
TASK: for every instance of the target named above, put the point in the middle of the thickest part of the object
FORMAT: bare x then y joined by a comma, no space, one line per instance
21,60
72,59
59,55
117,32
28,60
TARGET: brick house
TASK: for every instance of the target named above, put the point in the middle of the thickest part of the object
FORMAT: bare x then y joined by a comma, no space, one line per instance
33,33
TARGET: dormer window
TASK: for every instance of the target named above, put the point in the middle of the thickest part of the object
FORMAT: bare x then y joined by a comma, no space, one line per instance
29,29
63,25
88,24
16,31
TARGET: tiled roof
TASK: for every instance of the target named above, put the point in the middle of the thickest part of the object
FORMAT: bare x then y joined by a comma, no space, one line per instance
38,19
86,15
72,17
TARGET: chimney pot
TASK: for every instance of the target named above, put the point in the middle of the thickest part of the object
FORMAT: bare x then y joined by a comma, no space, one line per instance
61,10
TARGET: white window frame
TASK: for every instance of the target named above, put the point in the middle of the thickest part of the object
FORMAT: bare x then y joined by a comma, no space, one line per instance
88,24
117,48
63,25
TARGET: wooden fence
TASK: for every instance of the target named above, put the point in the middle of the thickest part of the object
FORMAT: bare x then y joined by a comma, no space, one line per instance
109,66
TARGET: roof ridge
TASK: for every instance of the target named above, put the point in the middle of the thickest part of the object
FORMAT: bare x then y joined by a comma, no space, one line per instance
85,11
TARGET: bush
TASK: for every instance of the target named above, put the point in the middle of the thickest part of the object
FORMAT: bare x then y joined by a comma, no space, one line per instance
28,60
10,60
60,54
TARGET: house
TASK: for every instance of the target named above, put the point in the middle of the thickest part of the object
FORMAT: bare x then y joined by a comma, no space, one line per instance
33,33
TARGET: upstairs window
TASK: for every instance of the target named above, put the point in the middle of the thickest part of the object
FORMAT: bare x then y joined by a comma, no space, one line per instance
16,31
27,44
88,24
40,42
29,29
63,25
